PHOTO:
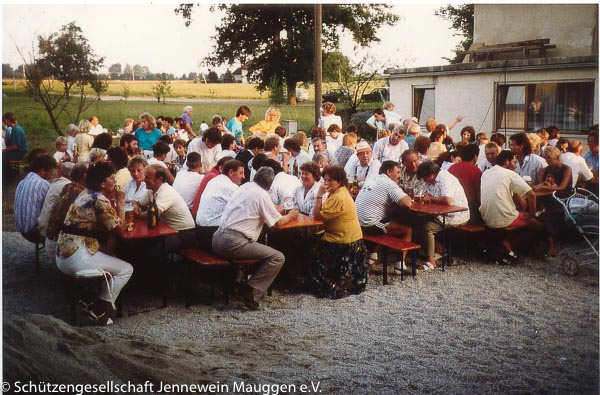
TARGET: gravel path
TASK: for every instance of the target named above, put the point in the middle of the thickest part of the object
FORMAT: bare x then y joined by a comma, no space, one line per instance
476,328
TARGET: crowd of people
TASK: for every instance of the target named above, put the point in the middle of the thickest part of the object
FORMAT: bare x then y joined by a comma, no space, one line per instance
219,186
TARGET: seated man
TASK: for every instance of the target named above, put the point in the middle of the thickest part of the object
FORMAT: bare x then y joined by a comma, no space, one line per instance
241,223
408,173
498,210
187,180
375,200
172,209
321,160
491,151
528,163
129,143
580,171
441,187
283,186
209,148
297,157
319,146
363,167
215,171
214,199
469,176
392,147
344,153
161,150
30,195
254,146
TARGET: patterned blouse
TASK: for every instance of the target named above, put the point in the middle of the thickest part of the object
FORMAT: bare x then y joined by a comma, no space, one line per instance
92,212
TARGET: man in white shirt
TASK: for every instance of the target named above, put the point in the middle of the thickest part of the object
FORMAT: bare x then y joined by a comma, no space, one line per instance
319,145
241,223
382,119
579,169
209,148
96,127
440,187
498,209
187,180
172,209
362,167
392,147
284,185
218,192
297,157
491,153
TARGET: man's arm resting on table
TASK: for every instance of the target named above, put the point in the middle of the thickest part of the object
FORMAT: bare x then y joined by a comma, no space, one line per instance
293,214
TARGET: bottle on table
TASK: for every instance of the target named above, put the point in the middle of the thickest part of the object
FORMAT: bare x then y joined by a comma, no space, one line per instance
152,214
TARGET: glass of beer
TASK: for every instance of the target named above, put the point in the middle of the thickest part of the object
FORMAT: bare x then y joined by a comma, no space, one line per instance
129,217
288,204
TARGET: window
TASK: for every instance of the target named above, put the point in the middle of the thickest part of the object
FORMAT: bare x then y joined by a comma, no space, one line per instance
424,104
570,106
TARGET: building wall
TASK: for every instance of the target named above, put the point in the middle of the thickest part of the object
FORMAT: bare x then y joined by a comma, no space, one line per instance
472,95
572,27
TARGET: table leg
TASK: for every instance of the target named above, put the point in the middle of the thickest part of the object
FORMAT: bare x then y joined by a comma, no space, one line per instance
414,264
385,274
443,243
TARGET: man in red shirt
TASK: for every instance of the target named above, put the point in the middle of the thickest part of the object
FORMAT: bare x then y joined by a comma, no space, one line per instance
469,176
215,171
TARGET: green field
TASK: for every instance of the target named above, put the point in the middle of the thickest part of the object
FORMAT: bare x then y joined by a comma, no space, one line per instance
40,132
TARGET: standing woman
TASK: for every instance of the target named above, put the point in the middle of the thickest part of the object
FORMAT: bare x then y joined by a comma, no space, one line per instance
340,267
89,222
84,141
147,134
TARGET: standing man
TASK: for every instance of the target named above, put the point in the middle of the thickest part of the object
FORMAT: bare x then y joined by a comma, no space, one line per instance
498,209
235,124
209,148
96,127
30,195
187,115
383,117
16,144
241,223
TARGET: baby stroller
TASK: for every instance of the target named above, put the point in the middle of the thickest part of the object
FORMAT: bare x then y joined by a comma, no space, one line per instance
581,212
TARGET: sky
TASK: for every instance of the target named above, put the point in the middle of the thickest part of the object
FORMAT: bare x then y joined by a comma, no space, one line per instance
150,34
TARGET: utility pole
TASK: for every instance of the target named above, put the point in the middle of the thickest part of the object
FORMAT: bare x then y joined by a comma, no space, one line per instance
318,61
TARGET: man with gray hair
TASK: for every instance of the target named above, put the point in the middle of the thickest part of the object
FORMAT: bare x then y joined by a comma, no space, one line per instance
187,115
241,223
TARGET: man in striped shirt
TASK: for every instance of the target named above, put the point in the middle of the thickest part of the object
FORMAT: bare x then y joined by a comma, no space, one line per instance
30,195
375,201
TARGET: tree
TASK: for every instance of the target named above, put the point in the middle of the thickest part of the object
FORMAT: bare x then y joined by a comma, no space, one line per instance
163,88
7,71
252,32
463,20
228,76
65,57
138,72
183,77
334,64
99,87
355,79
212,77
192,76
115,68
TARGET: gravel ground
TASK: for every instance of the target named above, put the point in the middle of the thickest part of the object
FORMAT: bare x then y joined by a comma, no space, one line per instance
475,328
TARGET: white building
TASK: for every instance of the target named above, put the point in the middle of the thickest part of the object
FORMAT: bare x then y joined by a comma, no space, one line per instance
529,66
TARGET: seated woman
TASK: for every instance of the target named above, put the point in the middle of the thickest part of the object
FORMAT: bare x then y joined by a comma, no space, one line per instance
268,125
557,177
340,267
119,159
90,220
135,189
305,195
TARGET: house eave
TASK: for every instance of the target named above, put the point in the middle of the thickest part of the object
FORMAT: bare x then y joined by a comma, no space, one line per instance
495,66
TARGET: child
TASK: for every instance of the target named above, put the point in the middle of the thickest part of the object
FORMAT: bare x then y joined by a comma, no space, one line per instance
550,180
61,155
179,147
71,133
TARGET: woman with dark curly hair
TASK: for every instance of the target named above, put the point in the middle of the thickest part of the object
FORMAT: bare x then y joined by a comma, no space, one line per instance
340,267
306,194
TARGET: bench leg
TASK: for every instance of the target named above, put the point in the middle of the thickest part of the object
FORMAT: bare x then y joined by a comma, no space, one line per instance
384,260
414,264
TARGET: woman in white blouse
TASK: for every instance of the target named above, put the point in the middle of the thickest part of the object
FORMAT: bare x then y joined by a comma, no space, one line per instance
306,194
135,189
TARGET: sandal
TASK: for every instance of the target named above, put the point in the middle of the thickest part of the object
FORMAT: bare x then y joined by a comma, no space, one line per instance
372,259
426,266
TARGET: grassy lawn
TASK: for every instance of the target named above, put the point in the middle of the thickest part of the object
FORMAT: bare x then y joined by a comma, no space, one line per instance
40,132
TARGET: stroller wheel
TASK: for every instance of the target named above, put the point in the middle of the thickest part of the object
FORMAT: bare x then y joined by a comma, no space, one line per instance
570,265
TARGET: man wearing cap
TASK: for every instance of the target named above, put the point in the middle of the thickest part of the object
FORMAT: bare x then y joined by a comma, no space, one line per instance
362,167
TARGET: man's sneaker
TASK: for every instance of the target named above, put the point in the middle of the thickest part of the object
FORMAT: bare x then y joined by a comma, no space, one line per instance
508,259
245,294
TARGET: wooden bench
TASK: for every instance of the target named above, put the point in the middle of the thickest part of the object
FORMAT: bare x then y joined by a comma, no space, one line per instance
395,244
468,231
197,256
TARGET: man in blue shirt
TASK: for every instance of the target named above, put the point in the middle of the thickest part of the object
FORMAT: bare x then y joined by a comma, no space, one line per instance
16,145
235,124
591,157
